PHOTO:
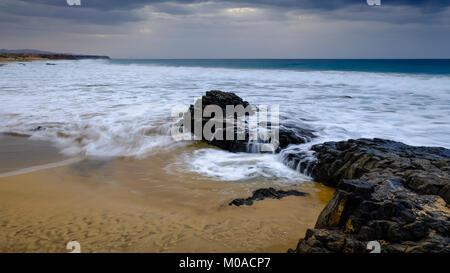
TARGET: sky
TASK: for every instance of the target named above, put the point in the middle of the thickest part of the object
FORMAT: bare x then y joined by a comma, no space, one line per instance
230,28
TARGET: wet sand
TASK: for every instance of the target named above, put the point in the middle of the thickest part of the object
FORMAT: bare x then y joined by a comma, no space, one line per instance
19,152
132,205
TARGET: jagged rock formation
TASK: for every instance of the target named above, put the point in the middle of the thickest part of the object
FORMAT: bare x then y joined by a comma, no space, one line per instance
287,136
386,191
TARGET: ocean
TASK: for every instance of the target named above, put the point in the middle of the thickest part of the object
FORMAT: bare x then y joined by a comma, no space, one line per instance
122,108
410,66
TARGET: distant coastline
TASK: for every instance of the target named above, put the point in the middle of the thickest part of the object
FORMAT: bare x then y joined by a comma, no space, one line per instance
25,57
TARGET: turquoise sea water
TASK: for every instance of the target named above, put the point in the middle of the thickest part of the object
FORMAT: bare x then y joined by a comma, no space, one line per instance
410,66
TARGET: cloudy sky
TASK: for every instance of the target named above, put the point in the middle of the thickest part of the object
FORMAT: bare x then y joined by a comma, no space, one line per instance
230,28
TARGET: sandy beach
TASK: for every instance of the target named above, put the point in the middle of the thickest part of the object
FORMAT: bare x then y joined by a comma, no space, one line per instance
28,57
87,155
132,205
21,57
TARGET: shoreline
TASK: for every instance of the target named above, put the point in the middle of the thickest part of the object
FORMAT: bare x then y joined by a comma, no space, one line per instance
130,205
367,190
28,57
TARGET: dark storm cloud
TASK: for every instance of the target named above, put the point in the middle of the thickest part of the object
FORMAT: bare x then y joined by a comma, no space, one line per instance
302,4
15,11
337,4
230,28
112,4
113,12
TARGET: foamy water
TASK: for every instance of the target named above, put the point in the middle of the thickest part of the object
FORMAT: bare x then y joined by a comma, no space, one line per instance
101,108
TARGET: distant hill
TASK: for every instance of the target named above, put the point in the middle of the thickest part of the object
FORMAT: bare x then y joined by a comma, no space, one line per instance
29,51
57,55
21,57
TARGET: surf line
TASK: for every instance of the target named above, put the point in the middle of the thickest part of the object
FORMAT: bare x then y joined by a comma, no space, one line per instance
43,167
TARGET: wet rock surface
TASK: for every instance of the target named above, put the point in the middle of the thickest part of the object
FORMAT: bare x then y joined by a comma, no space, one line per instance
387,191
261,194
287,135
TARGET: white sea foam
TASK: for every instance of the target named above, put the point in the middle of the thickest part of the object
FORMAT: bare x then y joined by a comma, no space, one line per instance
98,108
242,166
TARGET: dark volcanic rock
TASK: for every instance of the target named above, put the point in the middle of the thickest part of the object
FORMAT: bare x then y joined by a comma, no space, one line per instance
261,194
424,169
287,136
386,191
222,99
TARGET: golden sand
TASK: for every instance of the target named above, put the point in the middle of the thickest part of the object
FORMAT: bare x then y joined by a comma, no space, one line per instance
22,59
131,205
28,57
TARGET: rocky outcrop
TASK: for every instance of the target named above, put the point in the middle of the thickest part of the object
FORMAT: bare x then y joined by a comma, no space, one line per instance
287,136
387,191
261,194
93,57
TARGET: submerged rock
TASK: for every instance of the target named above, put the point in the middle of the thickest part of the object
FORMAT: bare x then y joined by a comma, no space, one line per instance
261,194
39,128
388,192
287,136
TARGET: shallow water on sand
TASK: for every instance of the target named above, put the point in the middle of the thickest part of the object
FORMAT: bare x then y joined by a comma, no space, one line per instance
142,205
